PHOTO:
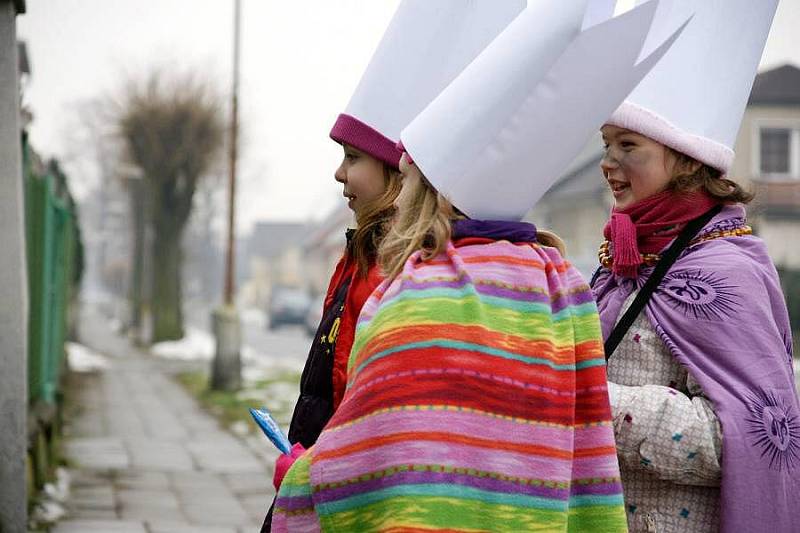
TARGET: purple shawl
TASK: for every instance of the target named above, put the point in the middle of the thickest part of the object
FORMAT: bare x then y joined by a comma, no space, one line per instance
721,313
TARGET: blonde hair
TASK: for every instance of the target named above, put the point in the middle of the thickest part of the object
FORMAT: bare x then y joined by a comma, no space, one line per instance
424,222
372,222
548,238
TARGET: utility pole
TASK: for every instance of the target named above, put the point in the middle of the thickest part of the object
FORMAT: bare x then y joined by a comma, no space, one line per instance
13,286
226,371
139,289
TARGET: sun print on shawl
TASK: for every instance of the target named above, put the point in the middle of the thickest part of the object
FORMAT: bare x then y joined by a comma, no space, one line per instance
701,295
774,429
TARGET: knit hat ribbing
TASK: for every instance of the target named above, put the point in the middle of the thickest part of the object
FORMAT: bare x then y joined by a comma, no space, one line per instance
350,130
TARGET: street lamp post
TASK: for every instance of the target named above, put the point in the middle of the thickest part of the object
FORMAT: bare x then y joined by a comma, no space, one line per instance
139,289
226,371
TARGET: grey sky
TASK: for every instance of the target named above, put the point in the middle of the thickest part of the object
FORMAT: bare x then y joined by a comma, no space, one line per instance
301,60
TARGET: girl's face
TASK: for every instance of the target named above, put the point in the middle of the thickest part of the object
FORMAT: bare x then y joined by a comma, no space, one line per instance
362,176
635,167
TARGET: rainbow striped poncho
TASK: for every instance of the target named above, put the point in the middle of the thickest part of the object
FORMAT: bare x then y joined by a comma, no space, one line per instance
476,401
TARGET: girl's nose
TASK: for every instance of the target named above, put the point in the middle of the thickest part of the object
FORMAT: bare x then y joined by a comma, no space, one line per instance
608,162
340,175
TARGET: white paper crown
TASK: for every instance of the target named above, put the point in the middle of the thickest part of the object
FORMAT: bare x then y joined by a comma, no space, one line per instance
498,137
694,99
426,45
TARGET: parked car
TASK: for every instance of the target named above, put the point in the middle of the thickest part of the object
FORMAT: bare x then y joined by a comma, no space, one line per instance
288,305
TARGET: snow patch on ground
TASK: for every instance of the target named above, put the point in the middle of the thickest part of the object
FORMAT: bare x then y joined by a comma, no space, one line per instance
82,359
50,502
200,345
195,345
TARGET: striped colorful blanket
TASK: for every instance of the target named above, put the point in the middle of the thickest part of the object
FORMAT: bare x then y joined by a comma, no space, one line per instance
476,401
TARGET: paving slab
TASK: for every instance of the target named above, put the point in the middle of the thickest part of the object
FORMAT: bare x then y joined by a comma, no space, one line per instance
139,479
160,455
103,453
225,513
248,483
256,505
95,497
145,513
94,514
99,526
188,528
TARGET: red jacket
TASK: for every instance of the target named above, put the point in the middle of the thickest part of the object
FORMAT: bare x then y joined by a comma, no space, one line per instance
360,289
325,374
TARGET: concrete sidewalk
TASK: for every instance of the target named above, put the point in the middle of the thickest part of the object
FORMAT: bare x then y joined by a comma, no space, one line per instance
143,456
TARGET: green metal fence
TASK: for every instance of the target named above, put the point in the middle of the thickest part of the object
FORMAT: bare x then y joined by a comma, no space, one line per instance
50,224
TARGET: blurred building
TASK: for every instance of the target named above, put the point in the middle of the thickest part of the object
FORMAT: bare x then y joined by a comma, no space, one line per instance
577,207
768,157
272,255
106,225
323,247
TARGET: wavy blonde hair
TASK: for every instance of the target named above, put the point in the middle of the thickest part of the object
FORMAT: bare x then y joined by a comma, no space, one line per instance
423,221
373,220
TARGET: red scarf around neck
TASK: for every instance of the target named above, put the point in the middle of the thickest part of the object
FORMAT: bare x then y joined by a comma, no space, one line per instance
648,226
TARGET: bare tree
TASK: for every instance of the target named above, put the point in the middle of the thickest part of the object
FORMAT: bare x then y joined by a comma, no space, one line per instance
172,129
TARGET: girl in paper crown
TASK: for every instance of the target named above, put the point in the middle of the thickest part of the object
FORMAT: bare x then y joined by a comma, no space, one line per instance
400,80
476,390
697,334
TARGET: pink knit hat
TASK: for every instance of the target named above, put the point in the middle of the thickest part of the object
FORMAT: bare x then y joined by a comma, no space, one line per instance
426,45
349,130
694,99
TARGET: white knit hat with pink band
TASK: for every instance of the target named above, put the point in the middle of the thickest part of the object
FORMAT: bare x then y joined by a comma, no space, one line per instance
502,133
694,99
427,44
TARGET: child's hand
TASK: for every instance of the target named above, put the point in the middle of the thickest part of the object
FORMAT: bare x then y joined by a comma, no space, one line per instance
284,463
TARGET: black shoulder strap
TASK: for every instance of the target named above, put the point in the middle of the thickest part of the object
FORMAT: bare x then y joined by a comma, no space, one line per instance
663,266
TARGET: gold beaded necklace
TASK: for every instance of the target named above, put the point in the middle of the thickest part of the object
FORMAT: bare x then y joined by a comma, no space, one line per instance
607,259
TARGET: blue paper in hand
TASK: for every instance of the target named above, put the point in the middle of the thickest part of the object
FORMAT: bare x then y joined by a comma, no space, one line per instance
271,429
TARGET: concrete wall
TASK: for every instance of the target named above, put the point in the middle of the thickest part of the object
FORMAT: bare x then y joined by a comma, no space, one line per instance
13,290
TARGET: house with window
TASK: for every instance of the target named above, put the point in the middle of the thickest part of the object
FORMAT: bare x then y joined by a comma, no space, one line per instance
768,159
271,256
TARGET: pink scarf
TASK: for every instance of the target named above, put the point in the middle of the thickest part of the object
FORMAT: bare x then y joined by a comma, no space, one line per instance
649,225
